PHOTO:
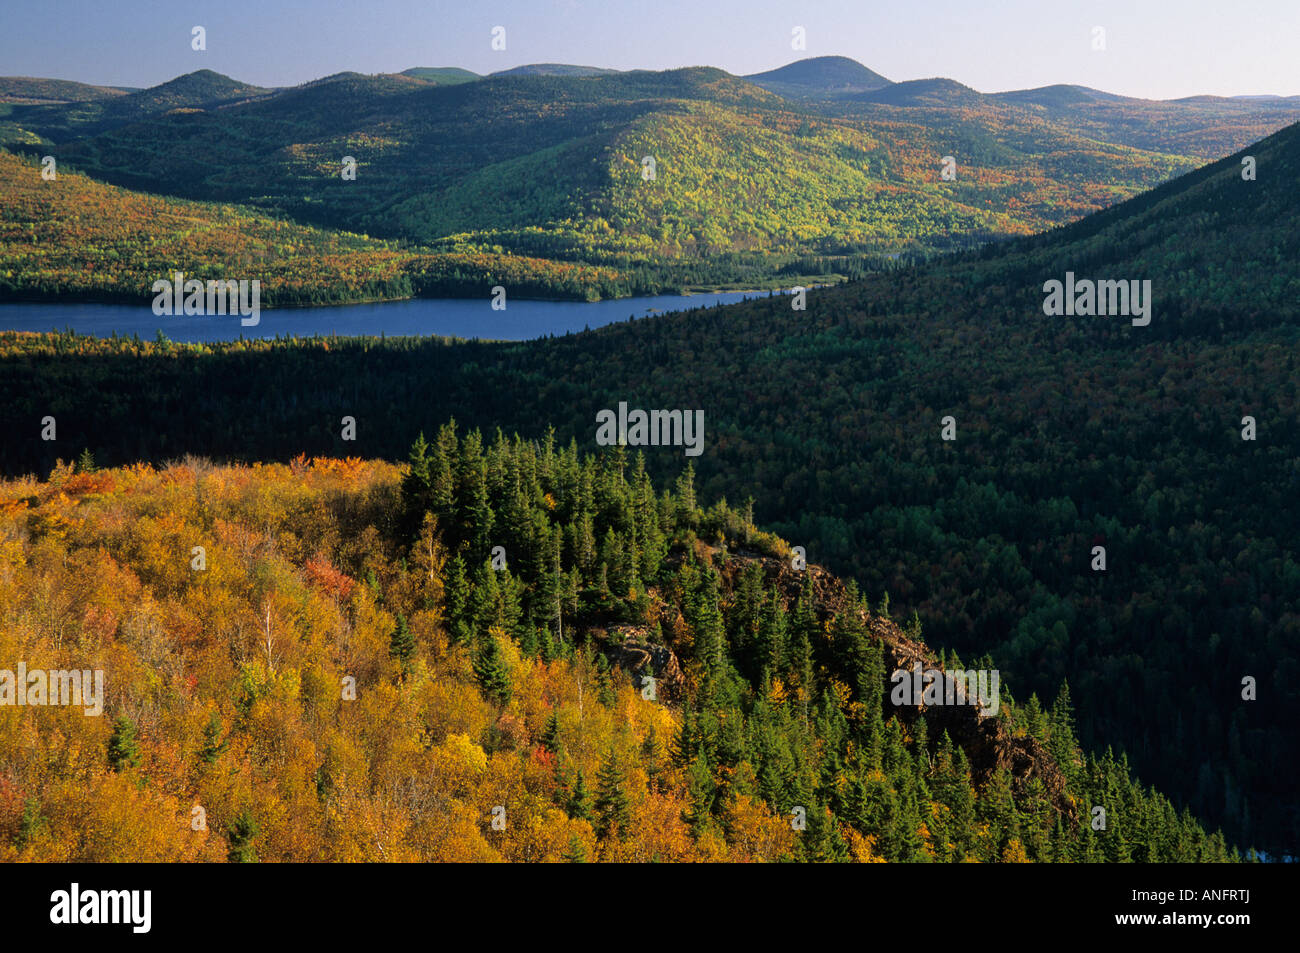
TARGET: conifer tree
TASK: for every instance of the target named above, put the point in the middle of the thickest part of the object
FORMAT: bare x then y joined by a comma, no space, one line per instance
997,806
551,735
744,619
950,785
687,511
579,805
575,853
653,756
921,743
604,684
511,614
416,488
910,819
473,502
1034,721
701,791
822,840
1061,741
491,670
612,810
442,481
705,618
30,824
485,605
685,743
240,835
551,585
401,645
213,746
123,748
458,589
1059,848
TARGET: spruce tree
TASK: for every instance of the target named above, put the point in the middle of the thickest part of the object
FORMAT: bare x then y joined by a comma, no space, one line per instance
512,617
997,806
612,810
687,512
485,606
822,841
212,743
31,823
551,585
743,620
604,684
575,853
491,670
442,481
579,805
701,791
653,755
401,645
459,621
551,735
772,635
416,491
1061,741
123,748
704,615
1033,719
474,504
240,835
921,743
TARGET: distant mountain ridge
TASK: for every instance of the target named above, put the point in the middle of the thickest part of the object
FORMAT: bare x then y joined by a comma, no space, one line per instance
555,69
829,75
916,92
824,75
442,74
28,89
1057,95
103,110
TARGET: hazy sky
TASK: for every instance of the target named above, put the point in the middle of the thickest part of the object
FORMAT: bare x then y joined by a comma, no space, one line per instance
1155,48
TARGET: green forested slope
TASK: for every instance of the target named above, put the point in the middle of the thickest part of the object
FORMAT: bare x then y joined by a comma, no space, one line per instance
747,182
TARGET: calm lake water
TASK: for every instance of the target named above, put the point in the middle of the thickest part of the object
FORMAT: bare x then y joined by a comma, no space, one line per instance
465,318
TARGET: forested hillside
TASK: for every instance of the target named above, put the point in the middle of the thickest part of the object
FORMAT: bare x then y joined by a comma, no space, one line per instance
819,77
1208,127
333,660
29,90
1072,432
749,187
75,236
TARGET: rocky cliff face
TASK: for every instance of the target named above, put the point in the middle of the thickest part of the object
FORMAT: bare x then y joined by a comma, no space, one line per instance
986,739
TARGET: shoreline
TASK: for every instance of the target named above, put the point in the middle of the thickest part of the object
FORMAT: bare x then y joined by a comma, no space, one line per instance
145,302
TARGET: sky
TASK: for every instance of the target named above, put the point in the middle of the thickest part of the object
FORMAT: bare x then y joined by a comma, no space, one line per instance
1158,49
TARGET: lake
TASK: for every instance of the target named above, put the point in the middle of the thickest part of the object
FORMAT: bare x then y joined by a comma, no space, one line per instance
456,317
